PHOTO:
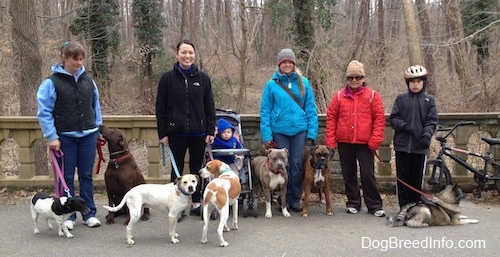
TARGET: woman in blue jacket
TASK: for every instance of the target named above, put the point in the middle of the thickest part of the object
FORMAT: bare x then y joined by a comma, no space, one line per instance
287,122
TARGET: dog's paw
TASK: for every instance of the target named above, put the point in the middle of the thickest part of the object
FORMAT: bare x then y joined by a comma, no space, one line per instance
69,235
175,240
130,241
286,214
204,241
224,244
227,229
37,231
268,215
304,215
330,213
235,226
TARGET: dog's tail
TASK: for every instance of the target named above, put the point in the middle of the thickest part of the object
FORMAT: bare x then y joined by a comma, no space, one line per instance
117,208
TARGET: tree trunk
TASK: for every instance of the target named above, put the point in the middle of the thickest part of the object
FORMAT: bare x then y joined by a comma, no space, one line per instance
381,34
423,16
356,49
243,57
458,45
27,62
411,33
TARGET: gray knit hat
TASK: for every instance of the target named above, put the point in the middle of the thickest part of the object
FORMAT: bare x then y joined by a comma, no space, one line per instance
286,55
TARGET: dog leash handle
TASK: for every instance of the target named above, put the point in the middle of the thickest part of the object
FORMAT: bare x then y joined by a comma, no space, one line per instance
58,174
172,159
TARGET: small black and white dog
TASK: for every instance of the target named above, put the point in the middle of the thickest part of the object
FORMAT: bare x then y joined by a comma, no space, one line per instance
53,208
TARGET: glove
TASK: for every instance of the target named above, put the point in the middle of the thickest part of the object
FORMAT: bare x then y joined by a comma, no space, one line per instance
310,142
425,140
270,144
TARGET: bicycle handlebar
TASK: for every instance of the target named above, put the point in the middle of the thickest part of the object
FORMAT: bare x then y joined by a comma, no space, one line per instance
450,130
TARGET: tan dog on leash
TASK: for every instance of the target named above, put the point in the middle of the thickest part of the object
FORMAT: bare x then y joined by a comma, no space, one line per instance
223,191
317,174
271,174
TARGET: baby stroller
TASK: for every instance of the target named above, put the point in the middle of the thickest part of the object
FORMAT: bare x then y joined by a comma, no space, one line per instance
242,162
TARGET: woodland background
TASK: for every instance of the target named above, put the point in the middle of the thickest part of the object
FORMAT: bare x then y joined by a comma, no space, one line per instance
130,43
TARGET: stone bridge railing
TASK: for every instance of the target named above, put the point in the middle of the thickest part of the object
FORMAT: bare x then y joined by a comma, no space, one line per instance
24,159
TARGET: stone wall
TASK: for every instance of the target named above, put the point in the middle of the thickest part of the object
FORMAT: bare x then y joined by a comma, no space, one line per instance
24,160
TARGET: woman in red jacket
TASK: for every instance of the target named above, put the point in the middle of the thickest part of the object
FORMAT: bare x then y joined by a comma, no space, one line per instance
355,124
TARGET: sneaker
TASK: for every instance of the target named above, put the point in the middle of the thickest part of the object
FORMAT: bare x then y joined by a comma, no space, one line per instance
195,211
295,207
352,210
69,224
181,216
379,213
93,222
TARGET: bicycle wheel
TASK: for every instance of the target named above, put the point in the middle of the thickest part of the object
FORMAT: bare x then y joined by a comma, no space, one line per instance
439,175
497,182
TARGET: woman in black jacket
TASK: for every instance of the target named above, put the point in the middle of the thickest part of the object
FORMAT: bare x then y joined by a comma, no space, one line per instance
414,119
185,113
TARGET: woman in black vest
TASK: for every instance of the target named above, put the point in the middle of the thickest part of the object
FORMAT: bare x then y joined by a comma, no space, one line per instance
70,115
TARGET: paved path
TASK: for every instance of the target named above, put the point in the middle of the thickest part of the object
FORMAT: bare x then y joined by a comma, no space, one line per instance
319,235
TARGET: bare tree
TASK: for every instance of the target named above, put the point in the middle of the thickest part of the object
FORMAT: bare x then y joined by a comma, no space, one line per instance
458,45
27,63
360,31
411,33
423,16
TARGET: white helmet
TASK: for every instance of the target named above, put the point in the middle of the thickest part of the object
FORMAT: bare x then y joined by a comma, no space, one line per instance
415,71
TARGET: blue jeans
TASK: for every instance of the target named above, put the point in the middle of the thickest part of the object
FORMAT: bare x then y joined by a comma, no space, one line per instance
295,145
79,153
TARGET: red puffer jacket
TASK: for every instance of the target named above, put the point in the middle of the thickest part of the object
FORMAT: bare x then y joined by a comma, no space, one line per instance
355,118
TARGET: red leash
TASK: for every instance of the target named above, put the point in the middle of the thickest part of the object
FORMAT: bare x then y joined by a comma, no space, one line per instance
58,174
404,183
100,143
414,189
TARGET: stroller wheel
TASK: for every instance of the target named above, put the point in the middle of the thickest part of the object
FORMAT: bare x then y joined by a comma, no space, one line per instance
245,207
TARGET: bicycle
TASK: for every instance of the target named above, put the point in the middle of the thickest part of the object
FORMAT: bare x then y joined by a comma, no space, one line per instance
440,173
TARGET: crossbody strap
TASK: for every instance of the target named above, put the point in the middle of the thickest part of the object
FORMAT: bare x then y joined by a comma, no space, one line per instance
294,97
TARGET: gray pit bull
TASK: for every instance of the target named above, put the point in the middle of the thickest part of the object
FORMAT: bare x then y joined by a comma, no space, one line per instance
271,172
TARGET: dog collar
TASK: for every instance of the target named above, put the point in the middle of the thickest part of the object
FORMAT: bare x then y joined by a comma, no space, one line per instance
117,161
268,166
182,190
227,169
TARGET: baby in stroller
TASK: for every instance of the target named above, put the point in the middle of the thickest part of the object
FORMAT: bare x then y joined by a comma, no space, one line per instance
228,147
225,139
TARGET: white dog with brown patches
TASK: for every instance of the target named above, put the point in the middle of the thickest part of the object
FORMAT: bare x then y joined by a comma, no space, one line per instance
223,191
171,198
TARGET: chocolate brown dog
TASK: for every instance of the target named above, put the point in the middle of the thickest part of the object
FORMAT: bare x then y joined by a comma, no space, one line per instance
122,172
317,174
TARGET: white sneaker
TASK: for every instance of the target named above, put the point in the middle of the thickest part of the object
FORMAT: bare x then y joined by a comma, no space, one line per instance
352,210
69,224
379,213
93,222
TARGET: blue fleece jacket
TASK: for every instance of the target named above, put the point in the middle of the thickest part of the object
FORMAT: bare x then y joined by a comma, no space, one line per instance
46,97
280,114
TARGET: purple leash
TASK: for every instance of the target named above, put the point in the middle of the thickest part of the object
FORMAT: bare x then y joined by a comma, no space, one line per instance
58,174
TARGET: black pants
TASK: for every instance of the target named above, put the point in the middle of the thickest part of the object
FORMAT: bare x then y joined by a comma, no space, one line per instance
350,155
196,146
410,169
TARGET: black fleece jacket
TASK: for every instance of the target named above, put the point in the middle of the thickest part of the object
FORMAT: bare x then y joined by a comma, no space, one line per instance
414,118
185,103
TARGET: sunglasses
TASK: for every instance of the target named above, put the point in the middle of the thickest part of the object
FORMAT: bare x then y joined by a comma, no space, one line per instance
355,78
